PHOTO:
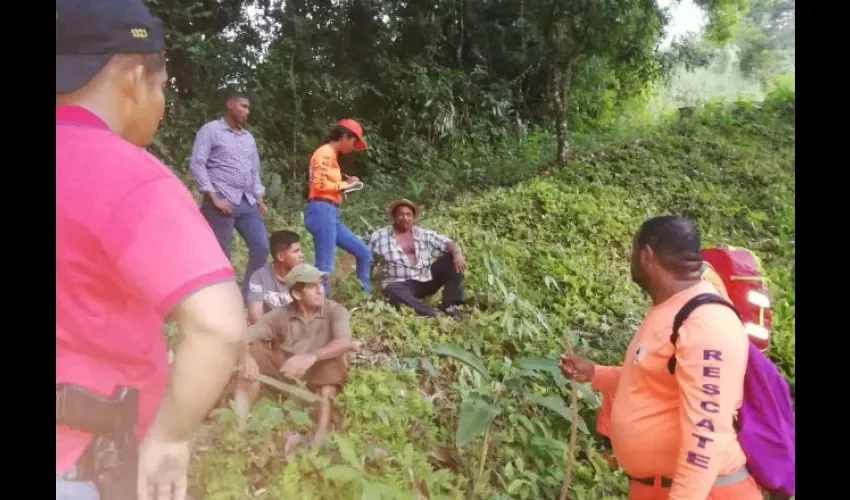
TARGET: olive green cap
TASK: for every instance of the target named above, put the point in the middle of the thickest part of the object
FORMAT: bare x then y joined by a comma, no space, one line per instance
303,273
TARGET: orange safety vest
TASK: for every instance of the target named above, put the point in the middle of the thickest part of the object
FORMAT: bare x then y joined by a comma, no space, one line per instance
603,420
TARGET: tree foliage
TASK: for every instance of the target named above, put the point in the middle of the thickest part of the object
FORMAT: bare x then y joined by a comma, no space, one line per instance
422,75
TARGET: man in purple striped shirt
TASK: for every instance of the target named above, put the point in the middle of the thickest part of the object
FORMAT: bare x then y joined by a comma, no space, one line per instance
226,165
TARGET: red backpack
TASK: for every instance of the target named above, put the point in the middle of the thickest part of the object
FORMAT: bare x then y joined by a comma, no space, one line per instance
765,422
746,288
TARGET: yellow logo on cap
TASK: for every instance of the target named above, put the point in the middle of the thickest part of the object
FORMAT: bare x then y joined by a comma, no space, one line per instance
139,33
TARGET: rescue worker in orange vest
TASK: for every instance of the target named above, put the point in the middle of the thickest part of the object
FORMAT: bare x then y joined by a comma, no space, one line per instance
325,188
603,420
674,434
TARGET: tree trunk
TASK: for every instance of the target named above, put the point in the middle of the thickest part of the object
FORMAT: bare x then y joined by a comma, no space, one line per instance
561,79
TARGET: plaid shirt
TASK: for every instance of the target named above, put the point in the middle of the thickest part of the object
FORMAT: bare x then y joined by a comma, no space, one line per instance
394,263
226,162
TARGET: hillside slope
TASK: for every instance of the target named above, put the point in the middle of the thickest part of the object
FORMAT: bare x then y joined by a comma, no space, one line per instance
547,258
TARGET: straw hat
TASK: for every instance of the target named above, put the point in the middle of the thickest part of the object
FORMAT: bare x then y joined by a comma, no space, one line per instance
417,212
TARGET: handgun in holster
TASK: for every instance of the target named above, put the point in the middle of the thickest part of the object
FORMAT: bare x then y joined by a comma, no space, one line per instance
111,459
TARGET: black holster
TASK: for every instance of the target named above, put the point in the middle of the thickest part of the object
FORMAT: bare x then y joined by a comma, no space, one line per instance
111,459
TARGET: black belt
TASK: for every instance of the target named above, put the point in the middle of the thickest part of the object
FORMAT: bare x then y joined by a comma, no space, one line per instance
324,200
666,482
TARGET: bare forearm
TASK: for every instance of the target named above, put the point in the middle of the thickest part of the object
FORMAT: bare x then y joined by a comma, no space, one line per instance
210,347
334,349
453,248
200,373
255,310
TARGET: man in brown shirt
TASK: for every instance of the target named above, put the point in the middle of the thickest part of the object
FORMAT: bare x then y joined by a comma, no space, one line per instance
305,340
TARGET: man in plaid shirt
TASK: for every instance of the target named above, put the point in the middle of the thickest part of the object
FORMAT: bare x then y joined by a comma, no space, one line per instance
417,262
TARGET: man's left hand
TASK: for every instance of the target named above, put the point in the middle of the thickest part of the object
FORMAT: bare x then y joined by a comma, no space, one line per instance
296,366
163,468
460,263
261,207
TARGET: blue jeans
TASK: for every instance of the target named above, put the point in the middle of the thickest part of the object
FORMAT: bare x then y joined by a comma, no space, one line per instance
322,220
76,490
247,220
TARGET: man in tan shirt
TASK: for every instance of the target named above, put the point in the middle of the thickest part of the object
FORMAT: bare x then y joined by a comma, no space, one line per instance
305,340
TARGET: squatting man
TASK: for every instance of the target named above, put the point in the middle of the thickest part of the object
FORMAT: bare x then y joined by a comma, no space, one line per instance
306,339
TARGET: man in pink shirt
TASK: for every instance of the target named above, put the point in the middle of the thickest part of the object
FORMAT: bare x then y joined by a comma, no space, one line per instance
131,249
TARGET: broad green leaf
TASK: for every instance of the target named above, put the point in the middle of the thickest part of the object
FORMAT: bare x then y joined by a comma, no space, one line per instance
540,364
469,359
557,405
346,450
341,473
508,472
546,365
292,390
589,394
475,415
550,365
515,485
525,422
515,381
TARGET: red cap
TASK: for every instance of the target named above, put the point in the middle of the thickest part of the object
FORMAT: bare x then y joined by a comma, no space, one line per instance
357,129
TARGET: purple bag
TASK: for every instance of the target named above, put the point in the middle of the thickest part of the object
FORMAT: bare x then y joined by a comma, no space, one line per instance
765,422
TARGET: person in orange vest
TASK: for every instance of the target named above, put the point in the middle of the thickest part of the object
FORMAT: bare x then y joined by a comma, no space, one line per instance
603,419
674,435
325,183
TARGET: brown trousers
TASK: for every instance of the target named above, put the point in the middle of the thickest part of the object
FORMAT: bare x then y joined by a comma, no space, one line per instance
328,372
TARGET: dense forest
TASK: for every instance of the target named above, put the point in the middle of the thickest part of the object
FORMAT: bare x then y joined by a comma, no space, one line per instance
435,81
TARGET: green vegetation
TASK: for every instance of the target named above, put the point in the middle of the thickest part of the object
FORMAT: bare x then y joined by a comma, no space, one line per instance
548,258
760,55
465,104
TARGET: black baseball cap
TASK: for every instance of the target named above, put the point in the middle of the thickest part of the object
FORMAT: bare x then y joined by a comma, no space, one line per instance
90,32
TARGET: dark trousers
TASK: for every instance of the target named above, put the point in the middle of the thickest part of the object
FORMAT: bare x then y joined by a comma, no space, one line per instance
411,292
249,223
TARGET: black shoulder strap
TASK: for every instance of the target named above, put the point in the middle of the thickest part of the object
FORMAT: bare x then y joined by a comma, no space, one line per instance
686,310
